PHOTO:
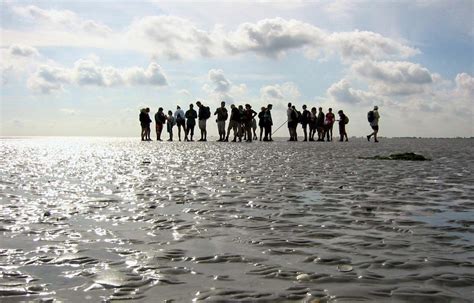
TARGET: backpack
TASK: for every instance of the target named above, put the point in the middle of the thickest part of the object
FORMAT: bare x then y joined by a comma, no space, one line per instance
206,112
346,120
370,116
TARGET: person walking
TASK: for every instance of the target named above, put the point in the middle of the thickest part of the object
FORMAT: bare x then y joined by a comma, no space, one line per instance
204,113
373,118
180,121
191,117
160,119
222,115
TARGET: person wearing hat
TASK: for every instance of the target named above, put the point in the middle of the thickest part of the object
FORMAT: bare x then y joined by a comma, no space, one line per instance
374,123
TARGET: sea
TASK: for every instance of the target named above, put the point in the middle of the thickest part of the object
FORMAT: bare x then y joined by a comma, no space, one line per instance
89,219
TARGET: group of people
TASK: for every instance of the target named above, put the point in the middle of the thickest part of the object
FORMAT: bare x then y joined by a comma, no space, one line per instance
243,123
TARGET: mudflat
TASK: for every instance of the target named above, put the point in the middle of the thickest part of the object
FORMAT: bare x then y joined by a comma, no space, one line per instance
91,219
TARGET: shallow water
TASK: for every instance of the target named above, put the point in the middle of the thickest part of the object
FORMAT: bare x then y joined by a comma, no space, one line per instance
91,219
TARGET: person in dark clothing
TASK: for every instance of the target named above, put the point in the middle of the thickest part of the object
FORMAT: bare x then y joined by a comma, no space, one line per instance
305,116
191,117
342,126
160,119
203,114
170,122
145,124
179,117
261,121
248,116
222,115
313,117
328,124
320,124
268,123
234,123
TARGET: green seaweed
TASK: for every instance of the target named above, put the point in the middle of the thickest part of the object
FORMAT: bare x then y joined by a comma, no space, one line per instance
402,157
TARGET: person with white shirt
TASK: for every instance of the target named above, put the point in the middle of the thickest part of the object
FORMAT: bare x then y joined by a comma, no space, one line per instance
180,121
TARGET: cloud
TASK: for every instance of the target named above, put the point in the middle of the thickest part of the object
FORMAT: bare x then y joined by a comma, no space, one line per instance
343,92
51,18
394,77
220,82
286,92
23,51
465,84
220,88
86,72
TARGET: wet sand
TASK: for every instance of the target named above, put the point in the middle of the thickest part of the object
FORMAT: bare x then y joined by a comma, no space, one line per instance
92,219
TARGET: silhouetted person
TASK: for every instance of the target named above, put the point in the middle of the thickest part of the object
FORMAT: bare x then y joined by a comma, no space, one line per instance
254,128
305,116
234,123
320,124
248,116
170,122
261,121
180,121
222,115
296,115
191,117
313,117
342,125
374,123
160,119
145,121
290,114
268,123
328,124
203,114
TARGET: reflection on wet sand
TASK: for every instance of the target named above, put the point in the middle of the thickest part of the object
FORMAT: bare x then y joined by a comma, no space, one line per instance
113,219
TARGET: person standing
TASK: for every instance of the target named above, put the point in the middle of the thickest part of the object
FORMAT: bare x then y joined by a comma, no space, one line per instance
180,121
373,117
268,123
145,121
291,123
249,114
320,124
170,122
191,116
160,119
305,116
328,124
312,123
222,115
343,120
261,121
204,113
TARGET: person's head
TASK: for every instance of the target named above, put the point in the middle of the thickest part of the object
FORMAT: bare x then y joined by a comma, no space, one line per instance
147,109
191,106
241,107
247,106
269,107
177,107
199,104
223,104
293,107
142,110
289,104
313,110
340,112
330,110
320,109
262,108
170,112
232,106
304,106
160,109
376,107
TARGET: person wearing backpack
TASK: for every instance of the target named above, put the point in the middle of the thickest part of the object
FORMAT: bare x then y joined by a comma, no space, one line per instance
191,116
373,118
204,113
343,120
222,115
305,117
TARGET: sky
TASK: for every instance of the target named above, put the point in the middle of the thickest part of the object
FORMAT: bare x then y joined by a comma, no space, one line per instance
86,68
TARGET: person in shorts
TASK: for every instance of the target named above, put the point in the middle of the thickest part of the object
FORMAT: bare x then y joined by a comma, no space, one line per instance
180,120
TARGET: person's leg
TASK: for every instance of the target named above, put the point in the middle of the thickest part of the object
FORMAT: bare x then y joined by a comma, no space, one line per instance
261,132
204,130
249,133
192,131
330,130
376,130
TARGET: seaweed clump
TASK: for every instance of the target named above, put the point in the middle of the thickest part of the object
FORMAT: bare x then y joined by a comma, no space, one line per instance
402,156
